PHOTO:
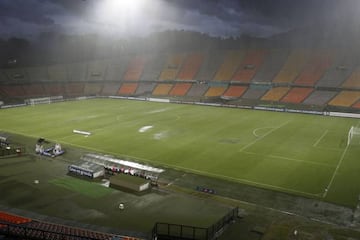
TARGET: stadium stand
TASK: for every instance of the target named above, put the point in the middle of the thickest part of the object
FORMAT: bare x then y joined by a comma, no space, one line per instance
180,89
345,98
3,77
37,74
215,91
172,66
314,69
344,64
92,89
229,66
77,72
356,105
110,89
197,90
57,73
191,66
249,66
296,95
34,90
16,75
254,93
319,97
16,91
116,68
292,67
145,88
272,64
234,91
10,218
135,69
212,62
354,80
162,89
74,89
127,89
54,89
96,70
275,93
153,67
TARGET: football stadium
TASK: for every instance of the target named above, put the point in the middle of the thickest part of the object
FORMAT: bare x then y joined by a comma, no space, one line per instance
181,135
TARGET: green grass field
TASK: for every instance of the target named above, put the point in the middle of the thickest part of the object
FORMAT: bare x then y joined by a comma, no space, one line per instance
294,153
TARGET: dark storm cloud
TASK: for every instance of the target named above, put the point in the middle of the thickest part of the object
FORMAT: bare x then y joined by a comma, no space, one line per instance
215,17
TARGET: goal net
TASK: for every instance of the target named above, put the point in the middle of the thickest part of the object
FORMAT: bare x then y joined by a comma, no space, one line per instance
43,100
354,136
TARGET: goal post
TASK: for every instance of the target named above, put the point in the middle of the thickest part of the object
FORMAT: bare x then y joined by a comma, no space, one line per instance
43,100
354,136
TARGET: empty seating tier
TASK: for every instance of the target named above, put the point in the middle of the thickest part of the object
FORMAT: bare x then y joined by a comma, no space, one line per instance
128,89
234,91
315,68
116,69
145,88
191,66
319,97
229,66
212,62
343,66
54,89
135,69
354,80
74,89
215,91
57,73
5,217
249,66
271,66
292,66
153,67
37,74
275,94
172,67
345,98
197,90
356,105
92,89
96,70
296,95
13,90
162,89
180,89
34,90
110,89
76,72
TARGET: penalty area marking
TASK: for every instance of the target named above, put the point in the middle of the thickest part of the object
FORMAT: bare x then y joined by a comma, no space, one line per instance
320,138
335,172
262,136
257,129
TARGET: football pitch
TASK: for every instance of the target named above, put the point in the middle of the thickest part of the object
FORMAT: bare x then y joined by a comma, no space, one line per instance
300,154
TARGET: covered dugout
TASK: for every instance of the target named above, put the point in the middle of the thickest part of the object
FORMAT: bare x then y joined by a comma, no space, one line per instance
88,169
124,166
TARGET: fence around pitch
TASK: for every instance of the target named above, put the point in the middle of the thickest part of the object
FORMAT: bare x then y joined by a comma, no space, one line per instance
164,231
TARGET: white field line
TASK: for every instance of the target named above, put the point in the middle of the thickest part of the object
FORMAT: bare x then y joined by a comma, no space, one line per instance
240,180
292,159
257,129
335,172
261,137
320,138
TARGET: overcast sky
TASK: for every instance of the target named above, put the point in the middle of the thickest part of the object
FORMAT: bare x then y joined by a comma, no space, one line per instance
126,18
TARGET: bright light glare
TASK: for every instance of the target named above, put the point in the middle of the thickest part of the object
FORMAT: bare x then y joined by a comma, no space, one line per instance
113,10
